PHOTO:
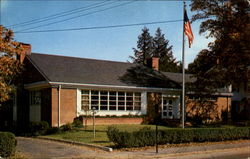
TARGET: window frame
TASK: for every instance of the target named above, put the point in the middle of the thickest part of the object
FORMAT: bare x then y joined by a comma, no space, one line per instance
135,101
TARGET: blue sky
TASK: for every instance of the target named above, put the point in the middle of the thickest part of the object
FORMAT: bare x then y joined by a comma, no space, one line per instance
110,44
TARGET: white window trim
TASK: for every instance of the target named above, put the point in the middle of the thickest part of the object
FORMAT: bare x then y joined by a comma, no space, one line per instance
108,100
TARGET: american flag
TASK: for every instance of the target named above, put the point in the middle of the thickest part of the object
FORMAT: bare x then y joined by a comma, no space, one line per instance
188,29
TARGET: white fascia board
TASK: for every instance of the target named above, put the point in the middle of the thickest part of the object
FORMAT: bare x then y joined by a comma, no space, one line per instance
42,84
226,94
97,86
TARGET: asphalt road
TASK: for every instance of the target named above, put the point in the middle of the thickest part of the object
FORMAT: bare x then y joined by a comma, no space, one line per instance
36,148
43,149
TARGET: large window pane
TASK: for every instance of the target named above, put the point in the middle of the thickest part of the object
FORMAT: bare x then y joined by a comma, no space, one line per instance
112,100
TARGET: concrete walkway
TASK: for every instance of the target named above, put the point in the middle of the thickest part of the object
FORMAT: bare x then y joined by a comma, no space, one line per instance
37,148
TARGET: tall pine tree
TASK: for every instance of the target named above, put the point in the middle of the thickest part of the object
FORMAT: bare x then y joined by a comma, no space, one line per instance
144,47
158,46
167,62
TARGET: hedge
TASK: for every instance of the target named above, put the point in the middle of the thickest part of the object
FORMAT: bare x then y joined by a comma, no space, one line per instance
146,136
38,128
7,144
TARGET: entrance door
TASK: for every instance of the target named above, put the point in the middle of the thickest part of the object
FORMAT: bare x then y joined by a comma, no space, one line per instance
167,107
35,106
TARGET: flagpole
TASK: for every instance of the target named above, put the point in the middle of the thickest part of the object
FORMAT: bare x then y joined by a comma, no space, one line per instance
183,70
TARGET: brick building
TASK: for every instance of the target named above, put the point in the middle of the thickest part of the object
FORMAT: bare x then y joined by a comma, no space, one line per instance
57,89
241,99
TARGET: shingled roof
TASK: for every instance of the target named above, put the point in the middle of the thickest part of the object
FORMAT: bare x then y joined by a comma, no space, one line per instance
87,71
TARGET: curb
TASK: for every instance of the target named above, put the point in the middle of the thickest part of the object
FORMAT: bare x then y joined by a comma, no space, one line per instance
77,143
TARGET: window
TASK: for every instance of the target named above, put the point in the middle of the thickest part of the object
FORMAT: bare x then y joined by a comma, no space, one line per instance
121,100
137,101
111,100
104,100
85,100
129,101
35,98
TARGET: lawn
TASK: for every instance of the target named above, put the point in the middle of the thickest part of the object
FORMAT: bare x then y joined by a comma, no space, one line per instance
86,135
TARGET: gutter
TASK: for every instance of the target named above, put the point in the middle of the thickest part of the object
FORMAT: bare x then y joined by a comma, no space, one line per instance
113,86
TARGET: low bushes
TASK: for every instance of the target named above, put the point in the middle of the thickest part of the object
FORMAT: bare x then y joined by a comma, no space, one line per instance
53,130
7,144
66,127
146,136
38,128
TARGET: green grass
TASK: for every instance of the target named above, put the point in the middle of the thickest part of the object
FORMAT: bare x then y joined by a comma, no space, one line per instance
86,136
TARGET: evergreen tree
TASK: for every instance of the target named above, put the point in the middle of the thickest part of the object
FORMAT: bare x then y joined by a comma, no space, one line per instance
158,46
167,62
144,47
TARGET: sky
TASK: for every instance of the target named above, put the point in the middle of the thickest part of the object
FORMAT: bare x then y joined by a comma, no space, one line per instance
113,44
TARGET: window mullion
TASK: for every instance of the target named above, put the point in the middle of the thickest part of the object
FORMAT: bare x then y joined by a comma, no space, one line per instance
133,101
90,100
108,101
125,101
99,100
116,100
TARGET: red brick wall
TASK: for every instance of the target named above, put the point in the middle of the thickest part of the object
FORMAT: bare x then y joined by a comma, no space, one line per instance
113,121
67,106
224,105
215,112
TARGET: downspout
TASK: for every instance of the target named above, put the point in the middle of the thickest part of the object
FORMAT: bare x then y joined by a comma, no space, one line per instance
59,105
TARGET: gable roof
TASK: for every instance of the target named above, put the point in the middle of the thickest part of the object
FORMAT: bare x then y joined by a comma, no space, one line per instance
87,71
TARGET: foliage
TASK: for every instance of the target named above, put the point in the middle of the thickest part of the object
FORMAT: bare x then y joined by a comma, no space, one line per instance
226,60
167,62
9,66
144,47
158,46
67,127
201,111
7,144
86,135
78,122
146,136
38,128
52,130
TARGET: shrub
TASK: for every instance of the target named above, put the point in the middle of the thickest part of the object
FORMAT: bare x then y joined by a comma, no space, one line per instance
7,144
146,136
78,123
53,130
66,127
38,128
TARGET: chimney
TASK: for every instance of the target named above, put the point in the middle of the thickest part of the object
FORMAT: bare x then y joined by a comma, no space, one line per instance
27,51
153,63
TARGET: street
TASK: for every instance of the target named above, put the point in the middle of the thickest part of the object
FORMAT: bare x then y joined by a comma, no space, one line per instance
37,148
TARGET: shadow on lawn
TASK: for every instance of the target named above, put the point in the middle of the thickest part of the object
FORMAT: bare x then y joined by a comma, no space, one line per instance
92,130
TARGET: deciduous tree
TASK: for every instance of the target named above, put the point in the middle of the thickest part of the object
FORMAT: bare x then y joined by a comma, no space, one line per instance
9,65
227,58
